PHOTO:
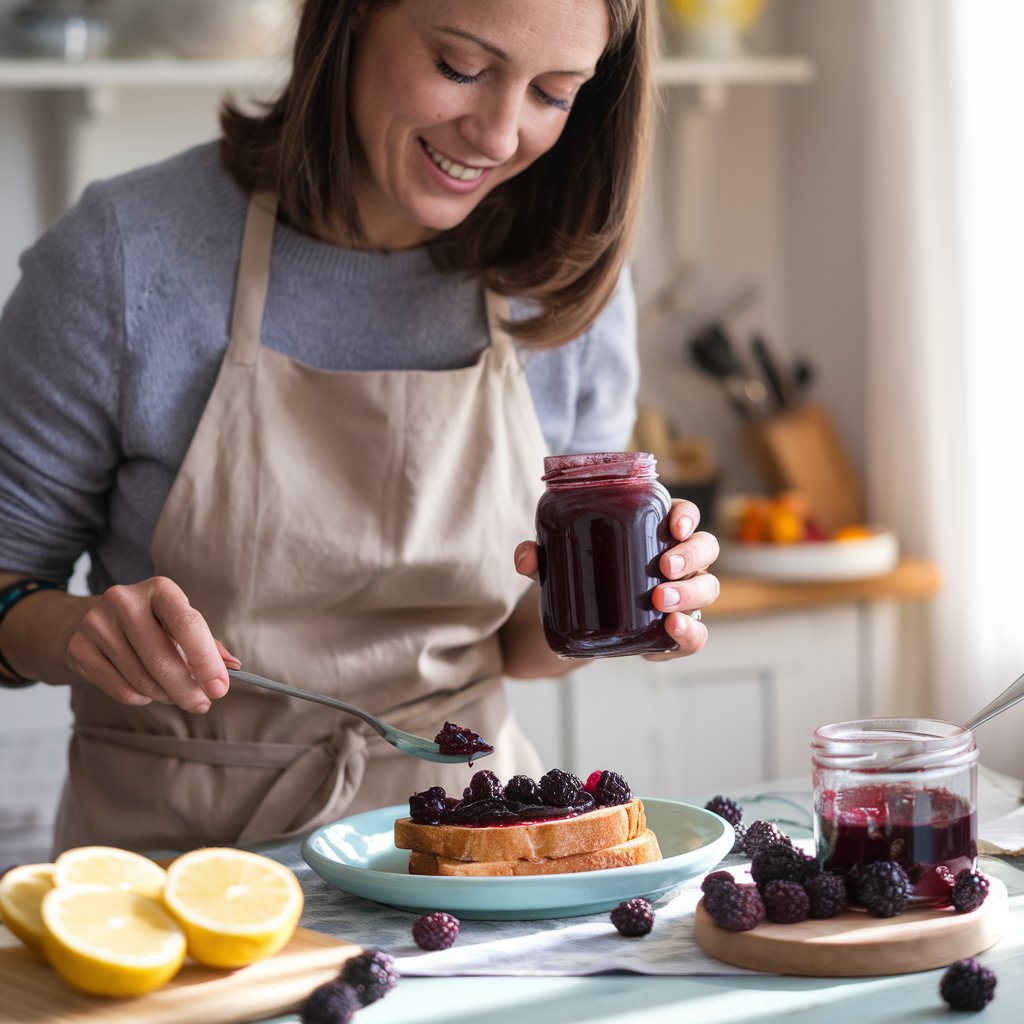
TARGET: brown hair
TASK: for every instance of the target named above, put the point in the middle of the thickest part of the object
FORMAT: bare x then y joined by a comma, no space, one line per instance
557,234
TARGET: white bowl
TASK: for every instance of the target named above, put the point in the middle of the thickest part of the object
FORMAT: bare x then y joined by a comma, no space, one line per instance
811,561
203,29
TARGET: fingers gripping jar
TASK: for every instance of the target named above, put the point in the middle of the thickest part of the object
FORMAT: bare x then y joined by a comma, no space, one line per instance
902,789
602,525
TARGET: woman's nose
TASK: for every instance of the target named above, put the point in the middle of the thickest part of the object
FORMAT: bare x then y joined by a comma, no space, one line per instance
493,128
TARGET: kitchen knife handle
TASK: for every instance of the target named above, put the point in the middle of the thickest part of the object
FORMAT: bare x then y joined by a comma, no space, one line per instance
770,370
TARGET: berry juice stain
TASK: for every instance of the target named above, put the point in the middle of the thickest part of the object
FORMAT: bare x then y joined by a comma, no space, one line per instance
601,530
923,830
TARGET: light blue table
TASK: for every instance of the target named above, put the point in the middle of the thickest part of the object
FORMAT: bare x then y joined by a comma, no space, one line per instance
621,998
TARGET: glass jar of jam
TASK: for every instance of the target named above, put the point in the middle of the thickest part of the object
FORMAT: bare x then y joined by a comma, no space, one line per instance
602,525
901,789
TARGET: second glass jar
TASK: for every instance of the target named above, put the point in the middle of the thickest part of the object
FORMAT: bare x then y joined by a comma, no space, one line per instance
602,526
899,789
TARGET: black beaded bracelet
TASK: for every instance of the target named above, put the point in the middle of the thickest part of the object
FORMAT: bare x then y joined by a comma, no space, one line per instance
9,597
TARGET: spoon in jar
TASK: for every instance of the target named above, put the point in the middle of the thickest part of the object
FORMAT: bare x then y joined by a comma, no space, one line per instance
406,742
1013,694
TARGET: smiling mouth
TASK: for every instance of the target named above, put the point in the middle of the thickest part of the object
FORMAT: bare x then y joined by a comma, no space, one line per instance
460,172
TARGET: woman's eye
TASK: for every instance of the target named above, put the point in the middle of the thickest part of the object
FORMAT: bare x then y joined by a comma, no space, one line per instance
553,101
452,75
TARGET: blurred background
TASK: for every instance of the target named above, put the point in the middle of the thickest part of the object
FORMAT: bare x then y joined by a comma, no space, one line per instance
835,210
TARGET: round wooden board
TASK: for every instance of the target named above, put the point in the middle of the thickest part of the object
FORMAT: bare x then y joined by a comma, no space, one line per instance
855,945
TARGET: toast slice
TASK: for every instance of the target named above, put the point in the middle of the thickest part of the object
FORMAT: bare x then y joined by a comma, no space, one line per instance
537,841
642,849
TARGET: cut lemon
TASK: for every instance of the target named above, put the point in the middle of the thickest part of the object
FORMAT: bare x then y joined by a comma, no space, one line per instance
109,942
21,897
236,907
109,866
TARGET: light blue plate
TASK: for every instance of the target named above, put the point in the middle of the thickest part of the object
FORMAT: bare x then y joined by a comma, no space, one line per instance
358,855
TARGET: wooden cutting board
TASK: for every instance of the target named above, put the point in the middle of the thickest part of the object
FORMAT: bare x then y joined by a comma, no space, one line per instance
31,992
855,945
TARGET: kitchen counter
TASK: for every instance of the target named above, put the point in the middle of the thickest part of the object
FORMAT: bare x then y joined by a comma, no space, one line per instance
696,999
912,579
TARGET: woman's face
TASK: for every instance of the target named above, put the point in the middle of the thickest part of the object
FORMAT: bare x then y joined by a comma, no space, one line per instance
450,98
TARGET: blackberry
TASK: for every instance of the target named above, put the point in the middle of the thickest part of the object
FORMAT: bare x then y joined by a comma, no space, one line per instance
560,789
435,931
611,788
827,894
429,806
725,808
883,888
737,908
967,985
633,917
760,834
522,790
334,1002
484,785
969,891
717,878
372,974
786,902
776,861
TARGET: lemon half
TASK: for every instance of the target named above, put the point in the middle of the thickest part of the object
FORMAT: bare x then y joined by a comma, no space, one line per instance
109,866
110,942
21,898
235,907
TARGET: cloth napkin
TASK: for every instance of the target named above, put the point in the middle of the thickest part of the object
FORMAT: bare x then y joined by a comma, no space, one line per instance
1003,837
563,946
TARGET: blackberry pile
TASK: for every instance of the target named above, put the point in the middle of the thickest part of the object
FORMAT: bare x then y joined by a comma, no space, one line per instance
557,794
789,886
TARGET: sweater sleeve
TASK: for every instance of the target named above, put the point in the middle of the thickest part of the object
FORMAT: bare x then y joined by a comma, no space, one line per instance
61,349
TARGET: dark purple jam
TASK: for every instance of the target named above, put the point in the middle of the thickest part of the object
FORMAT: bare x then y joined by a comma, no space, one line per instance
924,830
486,802
602,526
455,739
493,812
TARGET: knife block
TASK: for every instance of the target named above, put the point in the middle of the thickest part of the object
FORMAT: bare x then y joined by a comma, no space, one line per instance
799,450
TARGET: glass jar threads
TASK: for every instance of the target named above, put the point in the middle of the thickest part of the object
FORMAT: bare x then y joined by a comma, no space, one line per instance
602,525
899,789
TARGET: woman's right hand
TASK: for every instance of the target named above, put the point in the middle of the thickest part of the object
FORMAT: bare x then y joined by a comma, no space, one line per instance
144,642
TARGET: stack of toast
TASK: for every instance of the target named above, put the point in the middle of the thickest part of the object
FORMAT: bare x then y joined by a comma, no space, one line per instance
605,837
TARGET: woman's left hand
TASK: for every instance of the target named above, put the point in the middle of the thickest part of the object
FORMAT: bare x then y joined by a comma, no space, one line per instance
689,585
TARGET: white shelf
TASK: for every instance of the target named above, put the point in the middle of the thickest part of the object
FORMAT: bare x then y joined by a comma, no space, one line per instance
170,72
704,71
155,72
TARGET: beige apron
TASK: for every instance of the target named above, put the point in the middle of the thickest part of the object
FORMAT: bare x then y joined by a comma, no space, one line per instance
346,532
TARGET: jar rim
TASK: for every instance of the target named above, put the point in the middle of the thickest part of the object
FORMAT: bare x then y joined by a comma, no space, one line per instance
903,744
606,465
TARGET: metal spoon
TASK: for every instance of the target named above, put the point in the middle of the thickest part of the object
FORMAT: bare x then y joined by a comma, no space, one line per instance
1013,694
407,742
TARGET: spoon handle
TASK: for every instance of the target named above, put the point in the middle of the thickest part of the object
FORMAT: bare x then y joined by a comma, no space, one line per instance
1010,696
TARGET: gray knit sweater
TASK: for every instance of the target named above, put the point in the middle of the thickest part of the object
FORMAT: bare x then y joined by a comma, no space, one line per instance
111,342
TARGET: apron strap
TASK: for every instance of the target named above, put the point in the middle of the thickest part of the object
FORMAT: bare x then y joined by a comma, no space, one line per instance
253,279
502,343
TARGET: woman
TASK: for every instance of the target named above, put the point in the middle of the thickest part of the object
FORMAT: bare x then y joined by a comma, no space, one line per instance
292,394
